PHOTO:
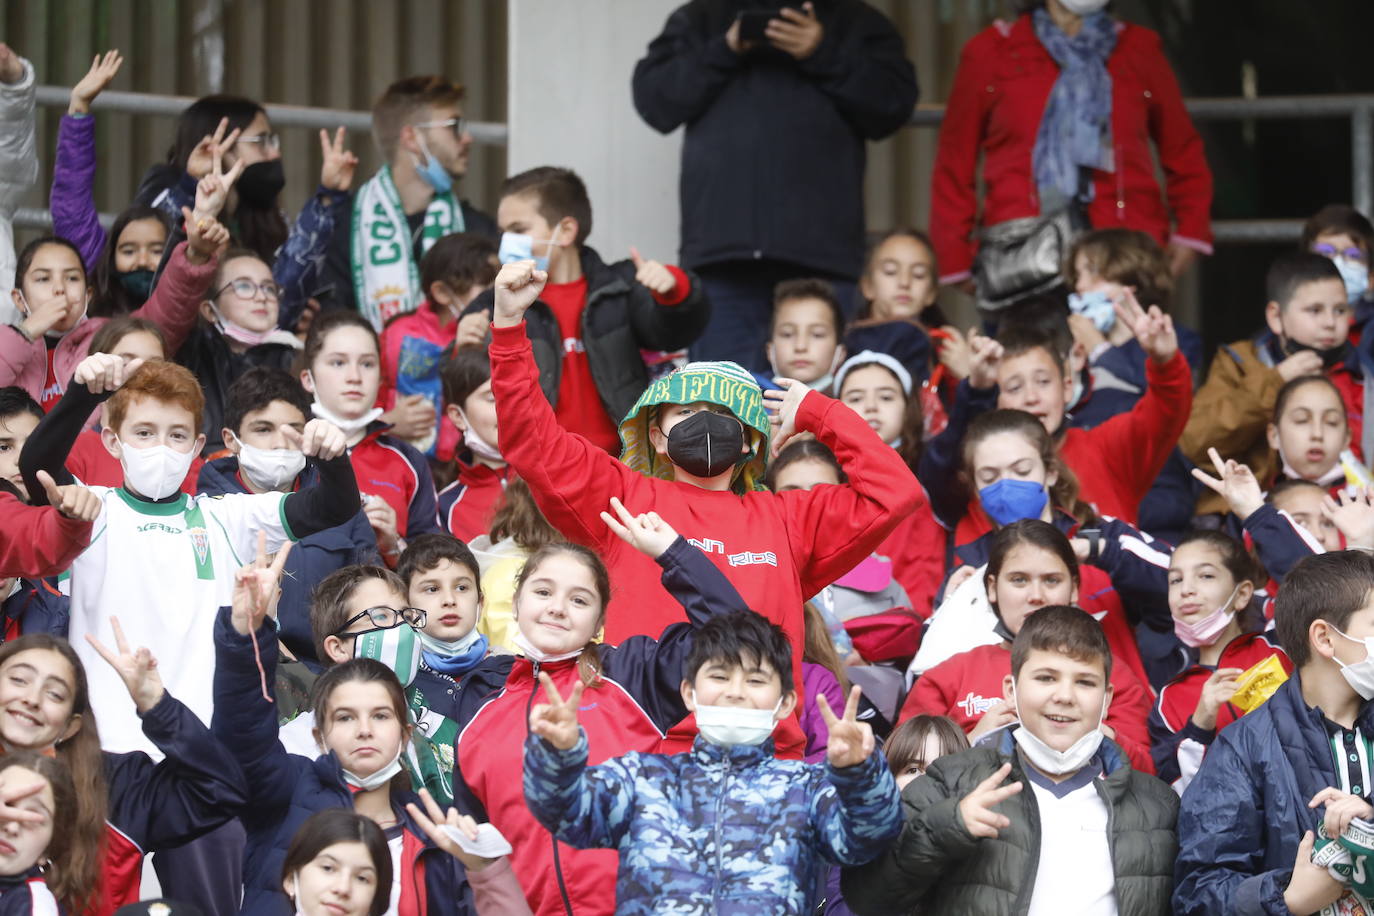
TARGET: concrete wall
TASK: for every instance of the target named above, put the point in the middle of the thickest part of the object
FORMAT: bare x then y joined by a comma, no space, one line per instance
569,104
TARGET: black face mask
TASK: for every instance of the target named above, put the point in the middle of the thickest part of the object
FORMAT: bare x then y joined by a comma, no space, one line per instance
261,182
1330,356
137,283
706,444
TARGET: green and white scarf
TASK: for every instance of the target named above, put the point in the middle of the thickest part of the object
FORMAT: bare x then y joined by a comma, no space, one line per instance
386,279
429,757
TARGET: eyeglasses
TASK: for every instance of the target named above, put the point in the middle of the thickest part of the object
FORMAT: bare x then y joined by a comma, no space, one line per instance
459,125
269,141
246,289
384,618
1327,250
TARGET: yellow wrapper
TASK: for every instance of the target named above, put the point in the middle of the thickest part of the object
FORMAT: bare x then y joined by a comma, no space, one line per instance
1258,684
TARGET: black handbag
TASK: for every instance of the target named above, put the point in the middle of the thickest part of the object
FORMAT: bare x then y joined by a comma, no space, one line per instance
1023,257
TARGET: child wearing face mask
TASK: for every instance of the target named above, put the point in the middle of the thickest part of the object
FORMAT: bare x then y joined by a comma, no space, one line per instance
1292,775
695,444
805,339
237,332
1345,235
633,694
1077,828
1219,619
361,727
174,552
466,505
415,345
741,828
341,367
40,353
592,319
1307,334
1031,565
263,410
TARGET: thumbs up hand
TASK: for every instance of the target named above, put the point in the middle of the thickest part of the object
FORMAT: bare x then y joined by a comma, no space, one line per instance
652,274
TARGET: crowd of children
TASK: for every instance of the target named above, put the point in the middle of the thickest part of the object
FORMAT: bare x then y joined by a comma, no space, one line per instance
452,587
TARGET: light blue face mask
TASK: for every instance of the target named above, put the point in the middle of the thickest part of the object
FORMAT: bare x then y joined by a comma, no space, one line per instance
430,171
1355,275
1096,306
516,246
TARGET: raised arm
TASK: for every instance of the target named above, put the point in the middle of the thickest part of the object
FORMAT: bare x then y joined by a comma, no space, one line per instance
47,448
18,154
833,528
571,479
72,200
194,789
297,266
858,812
43,541
334,498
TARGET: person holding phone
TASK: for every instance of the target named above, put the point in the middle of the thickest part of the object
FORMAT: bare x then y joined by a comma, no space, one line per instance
778,101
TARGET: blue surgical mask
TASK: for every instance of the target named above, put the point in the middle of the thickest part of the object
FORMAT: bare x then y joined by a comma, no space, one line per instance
1010,500
516,246
430,171
1095,305
1355,275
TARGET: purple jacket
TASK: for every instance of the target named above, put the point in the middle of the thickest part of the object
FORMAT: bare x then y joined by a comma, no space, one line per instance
818,679
72,202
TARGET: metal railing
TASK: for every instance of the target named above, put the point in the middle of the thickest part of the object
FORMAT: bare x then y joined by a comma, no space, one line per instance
1359,109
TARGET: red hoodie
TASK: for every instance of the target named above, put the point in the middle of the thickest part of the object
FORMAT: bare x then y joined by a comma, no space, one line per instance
969,684
778,549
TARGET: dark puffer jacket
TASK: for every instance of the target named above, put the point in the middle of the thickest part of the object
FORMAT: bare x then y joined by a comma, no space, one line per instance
621,318
938,866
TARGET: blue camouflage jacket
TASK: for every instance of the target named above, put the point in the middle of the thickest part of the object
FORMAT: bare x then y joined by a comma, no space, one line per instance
720,830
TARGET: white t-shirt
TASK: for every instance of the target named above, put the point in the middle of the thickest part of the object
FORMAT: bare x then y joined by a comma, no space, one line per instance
164,569
1075,873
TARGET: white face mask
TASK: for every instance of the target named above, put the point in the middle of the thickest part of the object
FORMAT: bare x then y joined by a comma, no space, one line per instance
155,472
534,653
479,447
238,332
1360,676
729,726
349,427
1058,763
269,468
1083,7
295,893
377,779
450,647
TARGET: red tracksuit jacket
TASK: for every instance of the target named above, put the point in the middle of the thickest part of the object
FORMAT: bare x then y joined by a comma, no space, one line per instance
36,541
969,684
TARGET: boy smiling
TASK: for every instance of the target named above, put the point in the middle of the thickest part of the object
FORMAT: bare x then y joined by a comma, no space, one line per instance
1076,831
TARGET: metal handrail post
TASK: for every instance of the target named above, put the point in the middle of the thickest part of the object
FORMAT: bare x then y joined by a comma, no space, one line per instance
1362,157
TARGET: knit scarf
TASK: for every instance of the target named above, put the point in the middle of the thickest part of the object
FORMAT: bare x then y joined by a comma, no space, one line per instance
1076,128
386,280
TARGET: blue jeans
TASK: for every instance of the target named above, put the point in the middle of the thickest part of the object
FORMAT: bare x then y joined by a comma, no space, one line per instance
741,297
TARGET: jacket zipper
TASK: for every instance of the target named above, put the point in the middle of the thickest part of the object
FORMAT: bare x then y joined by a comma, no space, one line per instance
557,865
720,865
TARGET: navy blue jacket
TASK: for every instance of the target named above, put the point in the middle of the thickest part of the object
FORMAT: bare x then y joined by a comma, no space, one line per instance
27,895
38,607
1246,810
311,559
285,789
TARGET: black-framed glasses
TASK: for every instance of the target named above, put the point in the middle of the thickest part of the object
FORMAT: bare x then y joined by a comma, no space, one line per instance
246,289
384,618
459,125
270,141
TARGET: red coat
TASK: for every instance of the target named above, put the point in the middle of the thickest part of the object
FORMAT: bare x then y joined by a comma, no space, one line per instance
969,684
1000,89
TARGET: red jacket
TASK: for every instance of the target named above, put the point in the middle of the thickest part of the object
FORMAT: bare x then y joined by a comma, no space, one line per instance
777,549
467,504
491,758
969,684
1000,89
916,548
36,540
395,471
